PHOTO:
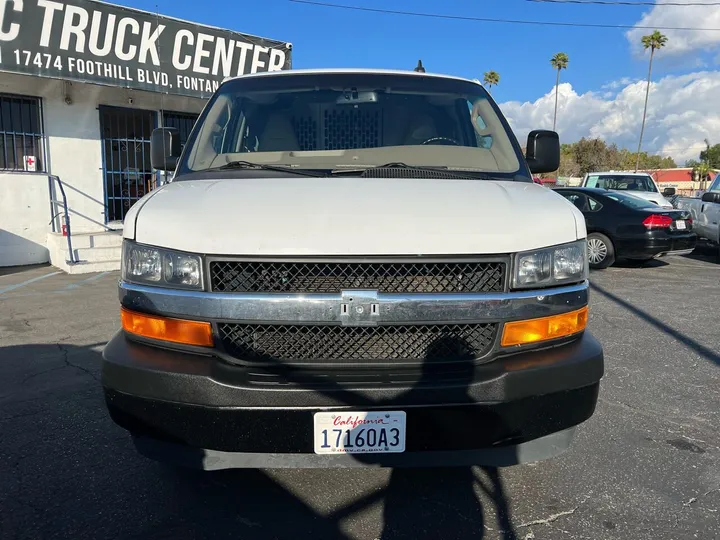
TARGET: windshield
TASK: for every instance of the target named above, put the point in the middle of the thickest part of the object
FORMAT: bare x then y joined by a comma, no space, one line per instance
622,182
632,202
715,186
336,120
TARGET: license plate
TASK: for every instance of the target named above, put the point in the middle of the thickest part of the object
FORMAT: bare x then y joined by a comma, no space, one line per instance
680,224
359,432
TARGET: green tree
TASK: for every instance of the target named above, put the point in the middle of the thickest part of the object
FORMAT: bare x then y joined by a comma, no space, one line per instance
559,62
702,170
645,161
568,165
653,41
588,155
491,78
709,160
711,155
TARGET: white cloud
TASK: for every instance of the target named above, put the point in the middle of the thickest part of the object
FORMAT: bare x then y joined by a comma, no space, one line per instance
614,85
682,111
680,41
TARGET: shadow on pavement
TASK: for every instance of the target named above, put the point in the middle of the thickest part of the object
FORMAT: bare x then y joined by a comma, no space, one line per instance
705,252
629,263
93,484
698,348
9,270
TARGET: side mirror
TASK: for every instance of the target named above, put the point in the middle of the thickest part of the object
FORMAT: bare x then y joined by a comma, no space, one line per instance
543,151
711,197
668,192
164,149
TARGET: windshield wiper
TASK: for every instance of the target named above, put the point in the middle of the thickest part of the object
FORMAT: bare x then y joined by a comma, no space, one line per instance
391,165
401,165
249,165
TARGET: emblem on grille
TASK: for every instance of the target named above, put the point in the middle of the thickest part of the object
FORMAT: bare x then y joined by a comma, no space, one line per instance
359,308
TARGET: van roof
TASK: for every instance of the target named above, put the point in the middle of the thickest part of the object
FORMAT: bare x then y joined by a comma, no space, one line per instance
408,73
624,173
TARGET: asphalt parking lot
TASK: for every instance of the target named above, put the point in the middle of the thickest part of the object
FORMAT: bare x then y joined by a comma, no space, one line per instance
646,466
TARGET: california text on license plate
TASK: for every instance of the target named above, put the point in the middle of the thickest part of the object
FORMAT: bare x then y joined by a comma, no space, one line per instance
679,224
359,432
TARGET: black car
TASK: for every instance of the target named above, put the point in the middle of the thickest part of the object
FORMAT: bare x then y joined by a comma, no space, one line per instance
621,226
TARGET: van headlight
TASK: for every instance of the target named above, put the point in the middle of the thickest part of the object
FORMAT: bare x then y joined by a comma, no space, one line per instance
567,263
149,265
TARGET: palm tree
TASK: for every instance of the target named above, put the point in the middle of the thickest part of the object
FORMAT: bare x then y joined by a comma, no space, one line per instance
701,171
491,78
653,42
702,168
560,61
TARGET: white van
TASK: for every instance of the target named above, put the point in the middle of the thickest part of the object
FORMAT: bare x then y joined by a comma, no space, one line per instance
640,184
350,272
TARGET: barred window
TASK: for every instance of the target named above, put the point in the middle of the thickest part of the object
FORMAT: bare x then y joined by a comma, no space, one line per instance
21,134
182,121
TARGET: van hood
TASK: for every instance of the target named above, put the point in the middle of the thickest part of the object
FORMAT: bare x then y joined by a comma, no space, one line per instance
353,216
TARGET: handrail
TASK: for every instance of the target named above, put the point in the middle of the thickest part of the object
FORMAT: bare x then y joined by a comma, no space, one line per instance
66,212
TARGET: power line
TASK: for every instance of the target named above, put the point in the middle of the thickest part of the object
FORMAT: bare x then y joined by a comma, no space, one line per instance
492,20
620,3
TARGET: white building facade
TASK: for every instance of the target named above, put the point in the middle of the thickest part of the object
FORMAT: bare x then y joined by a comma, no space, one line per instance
90,132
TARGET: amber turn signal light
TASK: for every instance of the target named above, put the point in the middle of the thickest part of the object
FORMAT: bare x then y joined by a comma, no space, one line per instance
166,329
544,328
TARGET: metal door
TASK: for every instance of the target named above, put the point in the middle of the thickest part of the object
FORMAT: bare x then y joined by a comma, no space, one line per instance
126,158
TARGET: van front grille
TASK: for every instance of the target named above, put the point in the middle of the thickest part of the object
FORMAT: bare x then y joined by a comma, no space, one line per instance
334,277
278,344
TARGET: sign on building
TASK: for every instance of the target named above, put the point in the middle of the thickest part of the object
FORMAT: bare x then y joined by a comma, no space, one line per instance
88,41
30,163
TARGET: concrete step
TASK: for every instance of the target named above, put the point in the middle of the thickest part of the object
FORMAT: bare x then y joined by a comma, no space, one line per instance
98,254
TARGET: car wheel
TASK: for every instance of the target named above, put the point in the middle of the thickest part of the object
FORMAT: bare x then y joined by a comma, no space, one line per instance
601,252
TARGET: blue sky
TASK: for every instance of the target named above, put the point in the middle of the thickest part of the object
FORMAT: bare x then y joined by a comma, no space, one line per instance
327,37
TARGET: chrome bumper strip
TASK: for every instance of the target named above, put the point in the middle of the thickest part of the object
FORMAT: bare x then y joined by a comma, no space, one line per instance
354,307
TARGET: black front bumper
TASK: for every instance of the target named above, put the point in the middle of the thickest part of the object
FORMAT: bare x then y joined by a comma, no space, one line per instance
209,408
655,243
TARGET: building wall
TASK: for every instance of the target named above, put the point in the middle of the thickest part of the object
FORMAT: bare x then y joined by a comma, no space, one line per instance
682,180
73,152
24,218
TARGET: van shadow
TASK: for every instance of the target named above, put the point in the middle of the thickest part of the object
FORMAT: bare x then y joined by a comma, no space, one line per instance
94,468
95,475
414,502
431,503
